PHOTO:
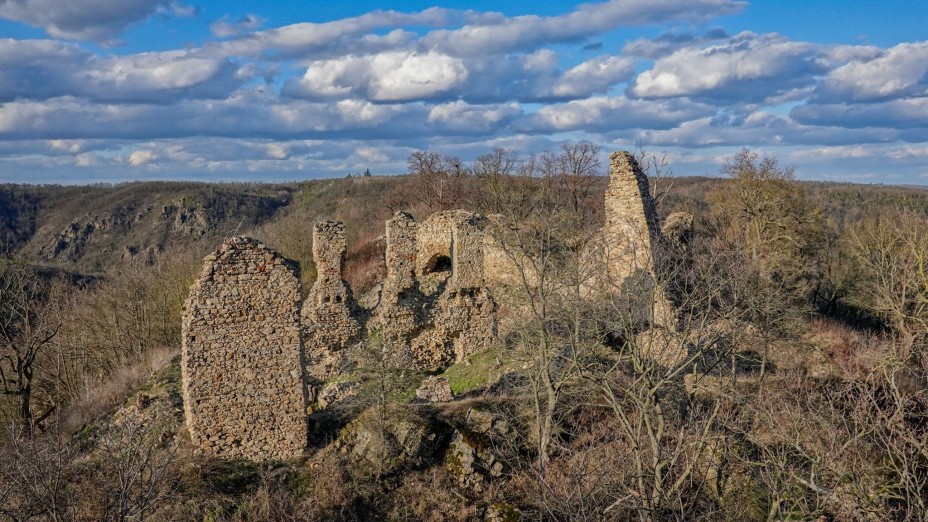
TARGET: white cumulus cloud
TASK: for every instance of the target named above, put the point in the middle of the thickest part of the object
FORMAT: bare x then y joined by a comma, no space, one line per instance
85,19
141,157
389,76
748,67
899,71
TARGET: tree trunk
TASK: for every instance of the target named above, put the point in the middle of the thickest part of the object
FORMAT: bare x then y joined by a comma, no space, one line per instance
544,438
25,408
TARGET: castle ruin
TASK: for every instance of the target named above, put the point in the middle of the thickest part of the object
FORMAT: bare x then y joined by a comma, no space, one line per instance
254,355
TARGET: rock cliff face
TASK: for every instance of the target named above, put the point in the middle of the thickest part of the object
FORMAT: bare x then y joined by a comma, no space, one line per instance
247,376
242,356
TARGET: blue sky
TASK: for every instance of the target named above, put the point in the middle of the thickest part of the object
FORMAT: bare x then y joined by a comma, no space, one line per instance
116,90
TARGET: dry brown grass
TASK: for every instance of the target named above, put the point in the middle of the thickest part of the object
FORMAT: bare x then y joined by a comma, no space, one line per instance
852,353
365,264
99,398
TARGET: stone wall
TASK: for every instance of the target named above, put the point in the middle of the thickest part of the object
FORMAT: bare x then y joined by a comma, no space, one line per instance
455,236
400,252
498,267
467,251
398,314
242,357
433,242
462,322
631,225
630,236
329,322
431,318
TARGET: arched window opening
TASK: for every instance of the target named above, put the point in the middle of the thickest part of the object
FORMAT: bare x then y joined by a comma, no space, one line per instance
438,263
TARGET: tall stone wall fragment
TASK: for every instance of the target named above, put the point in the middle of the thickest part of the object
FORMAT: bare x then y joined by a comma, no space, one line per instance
401,252
467,253
631,218
397,317
242,355
630,235
329,324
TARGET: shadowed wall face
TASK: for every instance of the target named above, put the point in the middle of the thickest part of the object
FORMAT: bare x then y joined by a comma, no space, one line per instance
242,360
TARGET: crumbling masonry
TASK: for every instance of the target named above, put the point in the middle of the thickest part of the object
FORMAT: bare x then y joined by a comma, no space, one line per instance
254,356
329,322
629,237
242,358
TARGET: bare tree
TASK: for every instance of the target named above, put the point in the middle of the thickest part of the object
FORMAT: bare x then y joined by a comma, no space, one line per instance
578,167
35,475
892,249
137,464
545,228
437,181
651,382
28,323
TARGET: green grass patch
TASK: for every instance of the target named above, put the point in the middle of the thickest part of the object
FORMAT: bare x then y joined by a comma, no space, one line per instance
464,378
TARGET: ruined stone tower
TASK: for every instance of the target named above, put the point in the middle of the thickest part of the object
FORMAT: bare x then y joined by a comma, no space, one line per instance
329,325
242,359
630,236
631,219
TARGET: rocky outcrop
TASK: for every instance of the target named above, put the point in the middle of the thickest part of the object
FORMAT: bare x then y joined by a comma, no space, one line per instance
471,462
471,457
390,441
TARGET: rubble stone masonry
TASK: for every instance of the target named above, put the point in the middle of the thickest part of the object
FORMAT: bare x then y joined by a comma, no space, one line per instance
329,324
242,360
398,315
630,236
